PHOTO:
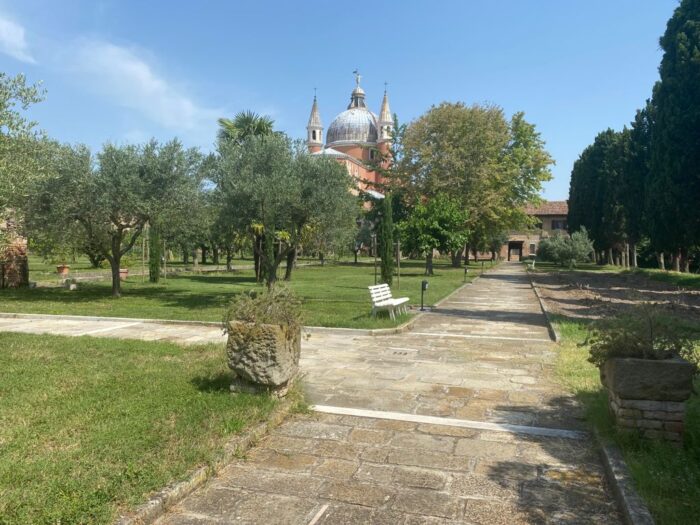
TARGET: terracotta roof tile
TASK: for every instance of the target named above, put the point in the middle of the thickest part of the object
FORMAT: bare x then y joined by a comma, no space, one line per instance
549,208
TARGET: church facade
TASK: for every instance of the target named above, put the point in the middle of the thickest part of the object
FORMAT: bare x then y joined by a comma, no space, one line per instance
356,138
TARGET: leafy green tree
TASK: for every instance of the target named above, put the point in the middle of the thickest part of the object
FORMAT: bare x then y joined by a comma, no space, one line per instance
635,177
674,191
436,224
595,200
566,250
385,238
110,200
493,166
171,166
20,142
276,190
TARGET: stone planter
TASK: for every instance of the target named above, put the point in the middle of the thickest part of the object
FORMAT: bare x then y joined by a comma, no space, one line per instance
264,358
649,395
123,274
62,269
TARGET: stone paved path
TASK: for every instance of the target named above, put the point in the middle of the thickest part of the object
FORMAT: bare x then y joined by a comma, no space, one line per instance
442,424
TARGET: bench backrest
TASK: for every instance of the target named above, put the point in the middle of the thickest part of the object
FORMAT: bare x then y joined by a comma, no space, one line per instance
380,292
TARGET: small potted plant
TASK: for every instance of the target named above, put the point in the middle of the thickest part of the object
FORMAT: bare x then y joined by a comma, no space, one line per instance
647,363
264,340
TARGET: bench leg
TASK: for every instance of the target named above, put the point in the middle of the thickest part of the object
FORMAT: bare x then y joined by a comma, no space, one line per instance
392,314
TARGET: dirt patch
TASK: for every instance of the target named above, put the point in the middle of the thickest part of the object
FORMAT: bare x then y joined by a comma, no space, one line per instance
590,295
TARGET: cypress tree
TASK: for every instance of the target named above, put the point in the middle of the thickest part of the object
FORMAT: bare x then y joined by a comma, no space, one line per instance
675,159
385,239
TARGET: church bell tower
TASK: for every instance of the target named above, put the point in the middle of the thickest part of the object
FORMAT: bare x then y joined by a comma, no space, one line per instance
314,129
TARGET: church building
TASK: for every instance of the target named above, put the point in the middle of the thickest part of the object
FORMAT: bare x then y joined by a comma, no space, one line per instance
354,137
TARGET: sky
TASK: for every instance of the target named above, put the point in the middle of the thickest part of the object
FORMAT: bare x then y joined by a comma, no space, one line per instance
125,71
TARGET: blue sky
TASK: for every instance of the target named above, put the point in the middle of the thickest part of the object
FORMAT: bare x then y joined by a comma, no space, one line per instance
127,70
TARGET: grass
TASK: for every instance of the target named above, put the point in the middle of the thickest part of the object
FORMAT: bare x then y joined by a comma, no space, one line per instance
683,280
667,477
334,295
580,267
89,427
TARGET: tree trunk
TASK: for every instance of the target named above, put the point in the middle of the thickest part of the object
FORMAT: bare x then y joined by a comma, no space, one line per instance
229,258
204,254
465,252
429,263
676,261
633,250
185,255
116,283
154,254
356,251
660,260
322,258
115,261
456,256
257,248
215,255
291,262
684,260
610,259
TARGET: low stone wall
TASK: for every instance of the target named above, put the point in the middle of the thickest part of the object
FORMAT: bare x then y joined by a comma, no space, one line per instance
654,419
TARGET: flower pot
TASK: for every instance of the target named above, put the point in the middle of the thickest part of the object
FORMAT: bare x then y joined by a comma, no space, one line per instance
649,395
62,269
123,274
264,357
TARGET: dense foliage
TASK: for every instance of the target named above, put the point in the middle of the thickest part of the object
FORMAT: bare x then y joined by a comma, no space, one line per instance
641,185
566,250
490,166
642,332
276,305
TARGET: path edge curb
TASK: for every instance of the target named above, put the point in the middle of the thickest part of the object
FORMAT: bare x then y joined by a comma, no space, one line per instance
174,493
553,332
311,329
633,508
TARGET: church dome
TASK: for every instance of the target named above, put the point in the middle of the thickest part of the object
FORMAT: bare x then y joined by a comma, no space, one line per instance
355,125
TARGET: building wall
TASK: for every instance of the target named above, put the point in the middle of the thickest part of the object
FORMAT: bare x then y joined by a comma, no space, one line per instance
548,225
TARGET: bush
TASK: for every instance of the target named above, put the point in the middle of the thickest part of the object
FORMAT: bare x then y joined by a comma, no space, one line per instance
642,332
277,305
566,250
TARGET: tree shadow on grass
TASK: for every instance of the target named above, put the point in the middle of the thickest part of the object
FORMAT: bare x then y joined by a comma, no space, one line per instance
220,382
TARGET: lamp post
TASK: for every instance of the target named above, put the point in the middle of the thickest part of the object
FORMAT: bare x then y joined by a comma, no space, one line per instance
423,288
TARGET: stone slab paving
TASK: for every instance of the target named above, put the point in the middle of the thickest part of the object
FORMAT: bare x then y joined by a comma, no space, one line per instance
347,470
482,359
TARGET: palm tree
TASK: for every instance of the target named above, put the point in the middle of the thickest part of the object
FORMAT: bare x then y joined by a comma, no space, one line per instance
244,124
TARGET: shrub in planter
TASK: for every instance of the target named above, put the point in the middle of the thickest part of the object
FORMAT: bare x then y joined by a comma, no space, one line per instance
647,363
264,340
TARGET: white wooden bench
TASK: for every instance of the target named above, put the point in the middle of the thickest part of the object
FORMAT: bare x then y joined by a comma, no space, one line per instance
382,300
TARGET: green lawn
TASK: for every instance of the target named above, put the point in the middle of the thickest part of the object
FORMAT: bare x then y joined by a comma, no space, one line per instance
333,295
91,426
580,267
667,478
684,280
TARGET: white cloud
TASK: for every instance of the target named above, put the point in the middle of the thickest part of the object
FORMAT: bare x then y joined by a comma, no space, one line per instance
119,73
13,42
